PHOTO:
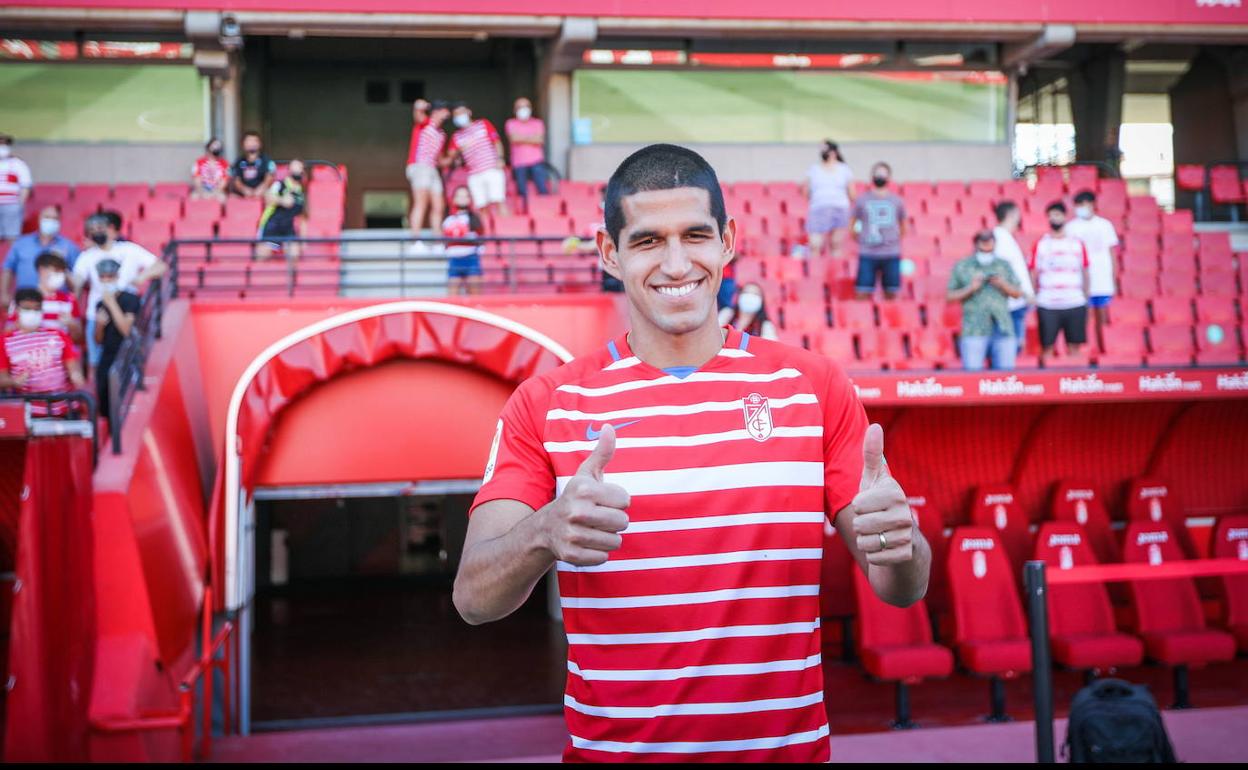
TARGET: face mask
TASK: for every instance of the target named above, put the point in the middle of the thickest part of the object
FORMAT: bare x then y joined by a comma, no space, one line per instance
1057,226
524,113
49,227
1083,212
252,152
297,177
29,319
750,303
215,151
985,257
5,151
56,281
99,238
879,181
108,289
461,121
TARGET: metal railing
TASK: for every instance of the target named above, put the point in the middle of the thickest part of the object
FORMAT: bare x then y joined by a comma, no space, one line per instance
410,265
65,413
125,376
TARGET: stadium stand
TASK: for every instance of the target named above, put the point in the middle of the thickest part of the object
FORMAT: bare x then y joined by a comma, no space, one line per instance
1230,541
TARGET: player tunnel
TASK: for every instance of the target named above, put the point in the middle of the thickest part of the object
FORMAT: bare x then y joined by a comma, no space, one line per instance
358,444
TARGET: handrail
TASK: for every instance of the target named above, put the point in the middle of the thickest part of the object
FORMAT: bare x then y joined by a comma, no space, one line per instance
125,376
76,402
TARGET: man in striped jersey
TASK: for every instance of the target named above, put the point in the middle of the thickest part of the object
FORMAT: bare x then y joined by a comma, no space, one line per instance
424,155
478,144
38,360
687,549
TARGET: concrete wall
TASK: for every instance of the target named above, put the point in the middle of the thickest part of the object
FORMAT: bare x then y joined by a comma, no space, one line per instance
74,162
777,162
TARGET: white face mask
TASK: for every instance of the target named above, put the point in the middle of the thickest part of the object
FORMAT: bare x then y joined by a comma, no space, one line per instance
108,288
29,319
49,227
749,303
524,113
5,150
461,120
56,281
1083,212
985,257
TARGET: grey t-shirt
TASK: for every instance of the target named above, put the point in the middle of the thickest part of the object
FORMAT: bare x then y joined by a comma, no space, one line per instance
881,217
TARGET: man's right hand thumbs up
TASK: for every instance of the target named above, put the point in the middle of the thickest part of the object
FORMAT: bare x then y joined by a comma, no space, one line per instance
582,525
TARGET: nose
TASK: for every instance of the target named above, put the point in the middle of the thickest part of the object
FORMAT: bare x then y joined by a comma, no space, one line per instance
676,262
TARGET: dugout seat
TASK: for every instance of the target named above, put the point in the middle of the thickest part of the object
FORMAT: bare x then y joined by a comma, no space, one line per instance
1230,541
990,634
1151,499
835,601
1076,501
895,645
932,525
1168,613
1081,620
996,507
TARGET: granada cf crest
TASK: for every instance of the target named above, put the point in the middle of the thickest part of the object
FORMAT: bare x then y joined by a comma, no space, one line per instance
757,417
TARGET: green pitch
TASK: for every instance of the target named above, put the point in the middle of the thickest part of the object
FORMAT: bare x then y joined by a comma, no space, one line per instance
785,106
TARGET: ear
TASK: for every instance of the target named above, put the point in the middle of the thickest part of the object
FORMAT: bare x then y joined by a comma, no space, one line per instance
730,240
608,254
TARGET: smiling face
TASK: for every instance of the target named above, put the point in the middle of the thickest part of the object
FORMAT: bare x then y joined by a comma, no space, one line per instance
670,257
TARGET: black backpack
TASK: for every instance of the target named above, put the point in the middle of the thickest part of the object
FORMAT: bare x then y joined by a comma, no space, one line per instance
1112,720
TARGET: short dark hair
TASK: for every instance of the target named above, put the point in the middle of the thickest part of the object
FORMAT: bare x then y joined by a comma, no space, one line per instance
661,167
114,219
28,295
1003,210
1085,196
439,104
983,236
51,259
883,165
248,133
1055,206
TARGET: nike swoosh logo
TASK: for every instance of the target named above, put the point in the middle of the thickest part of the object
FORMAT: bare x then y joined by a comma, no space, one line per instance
592,435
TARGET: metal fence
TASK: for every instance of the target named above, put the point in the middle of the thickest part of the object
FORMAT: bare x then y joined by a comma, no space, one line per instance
125,377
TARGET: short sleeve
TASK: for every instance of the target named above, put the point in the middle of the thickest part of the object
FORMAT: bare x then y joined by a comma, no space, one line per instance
956,278
1111,235
23,175
844,426
491,131
901,210
70,351
1084,250
518,467
82,269
10,259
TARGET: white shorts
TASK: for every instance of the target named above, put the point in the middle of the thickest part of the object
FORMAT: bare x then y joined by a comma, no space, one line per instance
425,178
487,187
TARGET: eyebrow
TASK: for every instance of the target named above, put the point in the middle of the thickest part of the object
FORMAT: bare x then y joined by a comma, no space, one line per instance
700,229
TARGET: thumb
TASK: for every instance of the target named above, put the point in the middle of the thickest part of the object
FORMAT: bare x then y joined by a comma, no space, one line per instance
873,467
597,461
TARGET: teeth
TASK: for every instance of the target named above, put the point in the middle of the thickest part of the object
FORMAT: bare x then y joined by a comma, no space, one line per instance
678,291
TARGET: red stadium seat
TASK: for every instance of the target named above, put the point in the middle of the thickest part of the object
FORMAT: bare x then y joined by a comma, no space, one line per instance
899,315
1219,281
166,210
1218,347
1225,186
854,315
933,348
1082,178
1152,500
1137,286
895,645
996,507
990,633
544,206
1189,176
92,196
1217,310
513,226
1171,310
49,193
808,292
942,205
202,209
1230,541
244,209
837,344
175,190
918,245
150,235
836,568
931,288
1077,502
1215,246
1177,221
987,189
883,346
1081,620
932,525
1125,311
1168,614
806,317
1171,345
1014,190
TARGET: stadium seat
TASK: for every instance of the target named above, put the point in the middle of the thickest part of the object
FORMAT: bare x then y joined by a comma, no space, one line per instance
1171,310
899,315
1082,633
1177,221
173,190
1220,347
996,507
150,235
837,344
92,196
854,315
1136,286
202,209
836,573
806,317
244,209
167,210
1151,499
895,645
1170,345
1230,541
884,347
932,525
942,205
49,193
808,292
1217,310
1224,185
1076,501
1168,614
519,226
985,189
1189,176
1219,281
1214,247
990,634
933,348
1125,311
1082,177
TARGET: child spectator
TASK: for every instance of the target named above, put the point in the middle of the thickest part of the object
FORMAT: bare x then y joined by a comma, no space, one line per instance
464,227
61,311
210,175
748,314
286,201
39,360
114,318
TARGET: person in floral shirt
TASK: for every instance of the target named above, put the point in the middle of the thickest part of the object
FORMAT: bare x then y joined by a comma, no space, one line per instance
983,283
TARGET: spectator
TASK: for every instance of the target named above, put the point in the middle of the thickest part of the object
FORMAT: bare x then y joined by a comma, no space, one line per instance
285,202
879,217
527,136
19,265
749,315
252,174
15,184
983,283
38,360
828,186
1099,238
1009,219
464,226
210,176
138,266
1059,266
477,143
423,156
60,308
114,318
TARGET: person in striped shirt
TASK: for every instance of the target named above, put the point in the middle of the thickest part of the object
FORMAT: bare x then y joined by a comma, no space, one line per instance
39,360
61,310
678,481
478,143
424,158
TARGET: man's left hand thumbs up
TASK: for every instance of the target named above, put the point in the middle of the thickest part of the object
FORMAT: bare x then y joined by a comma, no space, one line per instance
883,524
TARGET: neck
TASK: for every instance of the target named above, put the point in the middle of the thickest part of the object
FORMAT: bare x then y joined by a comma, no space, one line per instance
663,351
45,239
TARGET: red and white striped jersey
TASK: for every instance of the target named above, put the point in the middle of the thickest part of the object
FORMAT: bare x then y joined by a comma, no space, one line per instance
14,176
1059,264
41,356
60,303
477,144
699,638
426,145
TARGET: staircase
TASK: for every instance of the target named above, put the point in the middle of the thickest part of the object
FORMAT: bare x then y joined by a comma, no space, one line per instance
390,268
